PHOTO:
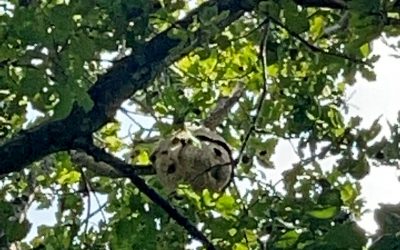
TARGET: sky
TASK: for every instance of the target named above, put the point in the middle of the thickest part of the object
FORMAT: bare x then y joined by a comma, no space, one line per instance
368,100
372,99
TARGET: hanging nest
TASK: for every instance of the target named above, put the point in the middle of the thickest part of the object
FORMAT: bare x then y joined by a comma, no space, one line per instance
198,157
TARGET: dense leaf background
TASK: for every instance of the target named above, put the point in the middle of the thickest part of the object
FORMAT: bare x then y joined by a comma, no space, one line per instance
76,62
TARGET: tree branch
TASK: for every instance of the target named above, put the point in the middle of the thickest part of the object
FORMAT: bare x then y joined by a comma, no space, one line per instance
224,104
82,159
332,4
102,156
315,48
128,75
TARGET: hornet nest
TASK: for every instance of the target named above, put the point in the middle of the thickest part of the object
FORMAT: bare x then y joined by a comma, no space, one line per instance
198,157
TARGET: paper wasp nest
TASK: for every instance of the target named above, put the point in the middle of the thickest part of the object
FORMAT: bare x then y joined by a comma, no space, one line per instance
198,157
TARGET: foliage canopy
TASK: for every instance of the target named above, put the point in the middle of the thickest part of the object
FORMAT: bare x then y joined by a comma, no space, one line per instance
76,62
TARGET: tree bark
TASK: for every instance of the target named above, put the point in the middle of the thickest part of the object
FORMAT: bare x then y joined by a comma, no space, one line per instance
128,75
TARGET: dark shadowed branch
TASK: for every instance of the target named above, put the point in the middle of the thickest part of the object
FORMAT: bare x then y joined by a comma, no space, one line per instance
126,170
317,49
128,75
261,98
333,4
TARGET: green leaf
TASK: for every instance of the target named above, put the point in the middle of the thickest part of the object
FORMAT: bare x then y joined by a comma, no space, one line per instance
84,100
330,197
368,74
143,158
388,218
240,246
66,100
61,18
222,16
348,193
68,177
207,14
356,168
16,231
32,83
223,42
317,26
365,49
347,236
72,201
220,226
6,210
386,242
271,8
372,6
82,46
287,240
324,213
226,203
114,143
178,34
273,70
297,21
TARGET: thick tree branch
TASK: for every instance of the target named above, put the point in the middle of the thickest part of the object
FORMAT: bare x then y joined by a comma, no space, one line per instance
122,81
332,4
102,156
82,159
222,108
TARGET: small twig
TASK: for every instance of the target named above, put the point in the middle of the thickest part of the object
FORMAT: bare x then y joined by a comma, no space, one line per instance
177,70
340,25
99,209
147,109
209,169
152,139
246,239
314,48
324,151
260,25
127,114
258,110
96,197
86,191
294,148
98,203
320,155
263,93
